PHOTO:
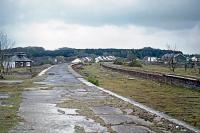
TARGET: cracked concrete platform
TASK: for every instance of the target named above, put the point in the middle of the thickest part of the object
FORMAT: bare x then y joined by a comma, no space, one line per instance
69,106
130,129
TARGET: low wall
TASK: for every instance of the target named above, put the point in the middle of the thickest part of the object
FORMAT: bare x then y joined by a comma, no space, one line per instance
163,78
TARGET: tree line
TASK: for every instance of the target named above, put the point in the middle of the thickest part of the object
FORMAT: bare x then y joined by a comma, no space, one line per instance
71,52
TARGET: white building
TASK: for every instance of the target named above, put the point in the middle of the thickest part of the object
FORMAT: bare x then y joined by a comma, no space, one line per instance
194,59
18,60
77,61
105,58
150,59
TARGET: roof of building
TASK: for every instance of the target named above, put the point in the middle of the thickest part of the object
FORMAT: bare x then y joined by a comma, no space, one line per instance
172,55
19,58
168,55
178,55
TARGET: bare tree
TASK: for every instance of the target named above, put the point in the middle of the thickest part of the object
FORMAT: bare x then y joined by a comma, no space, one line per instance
171,61
5,45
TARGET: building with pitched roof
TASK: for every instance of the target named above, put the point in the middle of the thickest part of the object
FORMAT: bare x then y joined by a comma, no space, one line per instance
17,60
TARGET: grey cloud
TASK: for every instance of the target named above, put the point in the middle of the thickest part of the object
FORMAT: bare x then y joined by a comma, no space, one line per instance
173,14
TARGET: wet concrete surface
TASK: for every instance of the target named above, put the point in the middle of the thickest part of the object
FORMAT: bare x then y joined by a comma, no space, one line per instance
68,104
39,106
11,81
5,104
4,95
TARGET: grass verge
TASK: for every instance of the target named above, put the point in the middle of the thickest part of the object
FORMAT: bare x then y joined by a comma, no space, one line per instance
179,102
8,113
24,72
93,80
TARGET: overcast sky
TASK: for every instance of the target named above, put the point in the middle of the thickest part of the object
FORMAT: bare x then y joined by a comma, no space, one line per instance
103,23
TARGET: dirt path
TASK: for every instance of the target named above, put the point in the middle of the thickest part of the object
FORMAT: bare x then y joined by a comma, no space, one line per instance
61,103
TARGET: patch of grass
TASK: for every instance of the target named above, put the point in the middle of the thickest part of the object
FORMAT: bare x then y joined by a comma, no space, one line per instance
8,114
134,63
93,80
25,72
119,61
182,103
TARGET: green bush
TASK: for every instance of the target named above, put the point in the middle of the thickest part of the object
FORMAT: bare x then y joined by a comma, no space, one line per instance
118,62
93,81
134,63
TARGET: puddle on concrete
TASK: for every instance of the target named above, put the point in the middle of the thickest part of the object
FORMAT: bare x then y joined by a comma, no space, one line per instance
37,109
67,111
5,104
50,118
11,81
51,73
4,96
106,110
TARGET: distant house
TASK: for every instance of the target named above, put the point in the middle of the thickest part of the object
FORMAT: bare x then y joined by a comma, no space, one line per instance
167,58
98,59
177,58
18,60
180,58
194,59
150,59
104,58
87,59
77,61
